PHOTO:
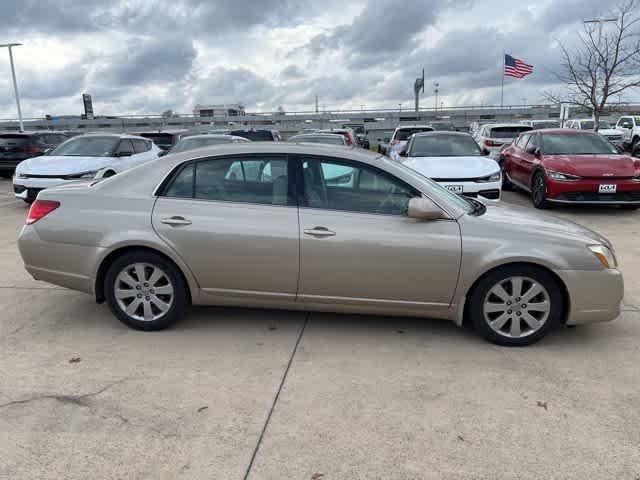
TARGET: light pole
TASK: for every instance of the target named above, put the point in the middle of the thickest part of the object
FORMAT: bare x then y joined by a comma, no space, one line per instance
399,108
15,84
436,90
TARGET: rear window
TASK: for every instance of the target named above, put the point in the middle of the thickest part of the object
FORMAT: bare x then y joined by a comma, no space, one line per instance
160,139
405,133
14,140
254,135
507,132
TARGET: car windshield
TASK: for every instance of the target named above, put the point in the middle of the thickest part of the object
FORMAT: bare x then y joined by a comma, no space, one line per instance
328,139
405,133
546,124
87,146
507,132
444,146
190,143
576,145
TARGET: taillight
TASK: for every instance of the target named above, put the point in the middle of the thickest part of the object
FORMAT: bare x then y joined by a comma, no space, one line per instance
491,143
40,209
32,150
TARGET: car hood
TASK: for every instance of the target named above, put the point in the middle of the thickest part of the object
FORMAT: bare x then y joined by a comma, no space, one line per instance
593,165
453,167
61,165
531,223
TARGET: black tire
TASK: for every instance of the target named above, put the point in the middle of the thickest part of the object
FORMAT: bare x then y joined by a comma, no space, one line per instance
180,296
506,183
539,191
480,292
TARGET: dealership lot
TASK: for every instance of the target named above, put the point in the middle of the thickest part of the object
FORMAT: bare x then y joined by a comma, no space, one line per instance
363,397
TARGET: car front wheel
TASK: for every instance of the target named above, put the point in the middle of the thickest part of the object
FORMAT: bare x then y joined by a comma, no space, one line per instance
145,291
516,306
539,191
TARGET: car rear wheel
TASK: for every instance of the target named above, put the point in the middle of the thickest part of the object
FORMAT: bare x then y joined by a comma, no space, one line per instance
516,306
145,291
539,191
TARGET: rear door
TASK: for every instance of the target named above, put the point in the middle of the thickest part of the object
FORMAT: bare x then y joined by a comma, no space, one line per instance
515,168
359,248
234,221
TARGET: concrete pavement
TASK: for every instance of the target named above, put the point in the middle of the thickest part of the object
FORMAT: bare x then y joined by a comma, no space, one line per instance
82,396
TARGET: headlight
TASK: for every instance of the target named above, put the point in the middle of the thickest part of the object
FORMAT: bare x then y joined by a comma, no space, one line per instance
605,255
562,176
91,174
494,177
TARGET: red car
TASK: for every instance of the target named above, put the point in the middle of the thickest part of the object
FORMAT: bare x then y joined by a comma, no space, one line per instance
571,167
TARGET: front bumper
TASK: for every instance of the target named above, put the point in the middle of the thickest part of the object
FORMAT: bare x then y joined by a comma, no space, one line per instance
28,188
594,296
488,190
585,192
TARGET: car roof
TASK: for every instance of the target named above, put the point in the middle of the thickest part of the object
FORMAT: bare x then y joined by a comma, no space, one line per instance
499,125
114,135
402,127
319,134
564,131
436,133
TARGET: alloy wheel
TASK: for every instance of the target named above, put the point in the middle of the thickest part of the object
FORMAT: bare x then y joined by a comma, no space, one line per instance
539,190
516,307
143,291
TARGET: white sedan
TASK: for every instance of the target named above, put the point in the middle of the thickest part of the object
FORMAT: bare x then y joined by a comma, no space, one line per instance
80,158
455,161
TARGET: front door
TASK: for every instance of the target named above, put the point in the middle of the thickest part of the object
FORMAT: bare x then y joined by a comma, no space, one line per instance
235,226
359,248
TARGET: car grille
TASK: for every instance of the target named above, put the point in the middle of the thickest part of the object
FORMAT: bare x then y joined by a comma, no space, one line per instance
490,194
599,197
614,138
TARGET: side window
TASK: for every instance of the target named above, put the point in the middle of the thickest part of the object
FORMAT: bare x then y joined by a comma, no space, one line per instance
336,185
182,184
125,147
252,180
533,142
141,146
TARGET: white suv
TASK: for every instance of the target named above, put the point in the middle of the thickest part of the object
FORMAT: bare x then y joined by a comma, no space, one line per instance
79,158
629,126
493,136
611,134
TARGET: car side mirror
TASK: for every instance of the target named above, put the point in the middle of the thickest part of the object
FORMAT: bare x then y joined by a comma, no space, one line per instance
124,154
162,153
421,208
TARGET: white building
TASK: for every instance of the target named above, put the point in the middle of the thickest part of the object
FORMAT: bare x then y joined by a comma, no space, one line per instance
225,110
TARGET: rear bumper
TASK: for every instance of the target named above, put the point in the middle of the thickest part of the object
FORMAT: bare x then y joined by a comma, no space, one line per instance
594,296
66,265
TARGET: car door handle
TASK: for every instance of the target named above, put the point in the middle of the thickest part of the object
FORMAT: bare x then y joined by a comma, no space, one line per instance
175,221
319,232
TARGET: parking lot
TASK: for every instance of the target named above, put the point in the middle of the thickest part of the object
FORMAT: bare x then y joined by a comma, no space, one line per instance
239,393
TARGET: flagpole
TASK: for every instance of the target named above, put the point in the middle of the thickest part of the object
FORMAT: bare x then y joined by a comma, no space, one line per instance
502,82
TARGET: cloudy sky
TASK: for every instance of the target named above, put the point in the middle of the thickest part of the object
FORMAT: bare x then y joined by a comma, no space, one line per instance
145,56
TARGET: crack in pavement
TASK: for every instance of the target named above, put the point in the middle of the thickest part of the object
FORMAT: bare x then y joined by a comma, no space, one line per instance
79,400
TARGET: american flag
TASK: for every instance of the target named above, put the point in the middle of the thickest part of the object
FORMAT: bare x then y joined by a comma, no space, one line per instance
514,67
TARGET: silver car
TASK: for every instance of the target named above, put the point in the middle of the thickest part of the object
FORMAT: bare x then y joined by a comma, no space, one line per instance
310,228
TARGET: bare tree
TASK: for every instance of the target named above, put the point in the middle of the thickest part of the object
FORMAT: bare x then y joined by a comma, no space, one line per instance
603,64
